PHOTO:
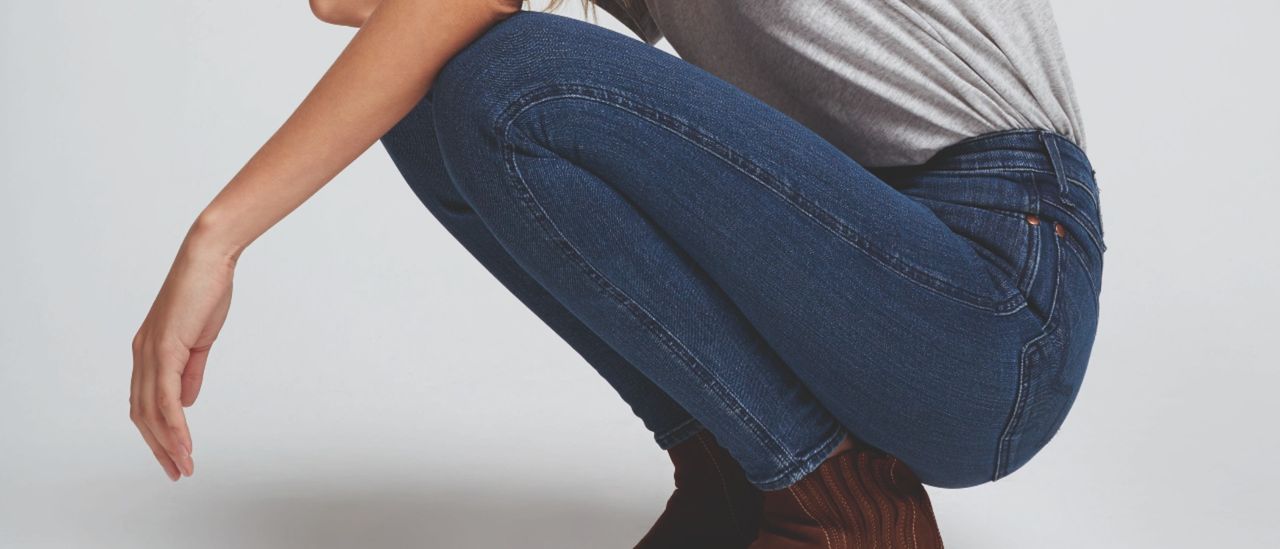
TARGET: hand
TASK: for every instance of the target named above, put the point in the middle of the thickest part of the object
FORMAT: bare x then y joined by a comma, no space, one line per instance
171,347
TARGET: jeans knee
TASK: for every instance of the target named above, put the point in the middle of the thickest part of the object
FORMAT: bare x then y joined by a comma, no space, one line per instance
515,55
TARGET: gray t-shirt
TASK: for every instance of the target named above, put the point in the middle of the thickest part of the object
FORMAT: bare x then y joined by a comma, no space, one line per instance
889,82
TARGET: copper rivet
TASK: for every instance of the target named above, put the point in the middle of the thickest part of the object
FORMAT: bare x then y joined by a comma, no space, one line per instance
1058,229
1033,219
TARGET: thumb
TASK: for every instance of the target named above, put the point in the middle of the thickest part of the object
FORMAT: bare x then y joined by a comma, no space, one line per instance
193,374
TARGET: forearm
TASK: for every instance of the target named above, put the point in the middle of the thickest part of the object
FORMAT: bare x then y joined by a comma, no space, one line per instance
381,74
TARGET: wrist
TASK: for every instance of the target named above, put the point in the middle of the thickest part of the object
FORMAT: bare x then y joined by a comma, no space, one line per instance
212,237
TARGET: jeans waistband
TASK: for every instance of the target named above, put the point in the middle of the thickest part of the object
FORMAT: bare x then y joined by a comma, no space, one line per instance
1034,149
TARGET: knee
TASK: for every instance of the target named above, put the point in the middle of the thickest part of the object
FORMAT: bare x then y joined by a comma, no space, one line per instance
531,51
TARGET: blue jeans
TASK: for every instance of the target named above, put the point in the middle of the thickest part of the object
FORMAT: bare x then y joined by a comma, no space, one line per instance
724,267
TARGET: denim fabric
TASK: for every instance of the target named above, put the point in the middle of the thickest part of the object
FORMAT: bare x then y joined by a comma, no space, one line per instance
724,267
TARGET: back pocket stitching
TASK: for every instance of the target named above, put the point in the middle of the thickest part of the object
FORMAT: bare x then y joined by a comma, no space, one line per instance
1091,272
1019,403
1090,228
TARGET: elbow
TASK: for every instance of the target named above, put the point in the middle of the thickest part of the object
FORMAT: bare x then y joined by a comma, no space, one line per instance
505,8
325,10
335,12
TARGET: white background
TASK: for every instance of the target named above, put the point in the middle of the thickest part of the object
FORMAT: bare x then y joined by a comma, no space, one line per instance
375,387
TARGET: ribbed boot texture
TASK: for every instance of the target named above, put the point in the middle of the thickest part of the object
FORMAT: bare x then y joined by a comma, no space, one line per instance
860,498
713,505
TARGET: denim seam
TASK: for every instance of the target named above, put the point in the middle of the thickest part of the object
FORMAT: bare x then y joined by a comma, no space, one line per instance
678,434
986,136
804,464
1015,131
1089,227
1012,423
1027,252
668,340
1077,253
1028,274
1000,169
1001,306
1013,214
676,348
1055,158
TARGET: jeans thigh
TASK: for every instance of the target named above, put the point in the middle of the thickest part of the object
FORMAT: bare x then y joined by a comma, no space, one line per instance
904,328
414,148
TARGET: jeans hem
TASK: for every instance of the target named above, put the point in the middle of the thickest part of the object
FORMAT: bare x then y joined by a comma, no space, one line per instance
803,465
677,434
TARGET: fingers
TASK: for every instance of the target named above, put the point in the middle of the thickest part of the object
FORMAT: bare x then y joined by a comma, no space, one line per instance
138,416
173,419
157,450
162,383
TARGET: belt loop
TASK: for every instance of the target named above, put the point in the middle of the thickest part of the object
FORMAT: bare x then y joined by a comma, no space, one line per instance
1055,161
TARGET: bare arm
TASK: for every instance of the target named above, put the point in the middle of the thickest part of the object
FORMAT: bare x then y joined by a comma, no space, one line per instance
377,79
350,13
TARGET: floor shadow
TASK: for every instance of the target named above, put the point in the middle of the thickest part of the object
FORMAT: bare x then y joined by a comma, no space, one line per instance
418,515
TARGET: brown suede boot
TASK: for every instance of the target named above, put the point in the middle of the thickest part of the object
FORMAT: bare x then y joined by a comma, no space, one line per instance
713,506
860,498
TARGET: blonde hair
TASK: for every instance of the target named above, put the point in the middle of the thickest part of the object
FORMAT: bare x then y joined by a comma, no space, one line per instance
553,4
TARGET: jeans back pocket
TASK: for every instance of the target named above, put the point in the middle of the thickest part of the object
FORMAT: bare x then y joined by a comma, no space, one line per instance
987,208
1062,295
